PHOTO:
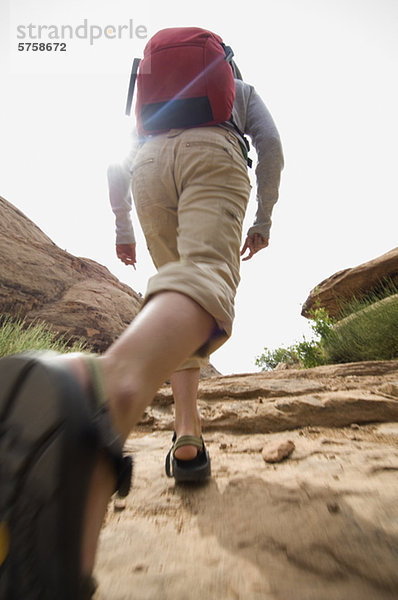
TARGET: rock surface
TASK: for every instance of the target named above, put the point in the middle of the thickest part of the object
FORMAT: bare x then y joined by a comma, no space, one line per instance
355,281
76,296
320,525
329,396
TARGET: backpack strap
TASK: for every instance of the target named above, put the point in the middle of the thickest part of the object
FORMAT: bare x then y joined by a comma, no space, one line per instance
243,143
245,147
133,77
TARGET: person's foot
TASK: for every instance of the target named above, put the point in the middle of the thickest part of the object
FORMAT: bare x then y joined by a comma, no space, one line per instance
187,452
58,464
184,384
197,469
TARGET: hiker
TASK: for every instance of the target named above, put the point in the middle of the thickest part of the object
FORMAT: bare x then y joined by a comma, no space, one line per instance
64,419
179,226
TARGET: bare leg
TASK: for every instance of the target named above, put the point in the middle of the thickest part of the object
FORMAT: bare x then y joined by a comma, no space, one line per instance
169,329
187,420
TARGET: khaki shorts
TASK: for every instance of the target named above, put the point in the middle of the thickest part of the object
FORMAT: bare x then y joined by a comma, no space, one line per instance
191,188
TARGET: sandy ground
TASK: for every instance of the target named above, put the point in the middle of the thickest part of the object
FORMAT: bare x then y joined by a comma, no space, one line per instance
320,525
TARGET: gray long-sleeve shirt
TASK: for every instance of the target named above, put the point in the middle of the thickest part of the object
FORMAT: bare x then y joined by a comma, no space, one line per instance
252,118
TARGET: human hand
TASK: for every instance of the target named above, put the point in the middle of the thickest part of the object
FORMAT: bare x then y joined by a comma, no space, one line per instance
253,244
126,253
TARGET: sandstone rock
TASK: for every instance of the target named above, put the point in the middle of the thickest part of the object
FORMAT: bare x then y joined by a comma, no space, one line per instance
388,429
355,281
390,388
332,395
285,366
75,296
322,525
274,452
209,371
319,526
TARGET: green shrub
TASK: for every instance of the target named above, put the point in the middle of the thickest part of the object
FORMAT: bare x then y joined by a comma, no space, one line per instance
307,353
17,336
271,358
367,329
368,333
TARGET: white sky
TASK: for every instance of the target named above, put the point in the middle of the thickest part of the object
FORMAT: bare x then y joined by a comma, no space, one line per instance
327,70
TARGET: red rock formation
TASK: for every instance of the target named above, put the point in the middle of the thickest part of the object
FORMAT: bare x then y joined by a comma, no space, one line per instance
357,281
75,296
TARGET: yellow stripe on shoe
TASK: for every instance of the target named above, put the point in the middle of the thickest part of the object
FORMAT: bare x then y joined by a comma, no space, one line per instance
4,542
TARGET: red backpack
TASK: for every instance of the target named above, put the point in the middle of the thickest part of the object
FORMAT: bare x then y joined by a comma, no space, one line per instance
184,80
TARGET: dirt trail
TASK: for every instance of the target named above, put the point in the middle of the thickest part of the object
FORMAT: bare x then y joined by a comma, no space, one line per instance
320,525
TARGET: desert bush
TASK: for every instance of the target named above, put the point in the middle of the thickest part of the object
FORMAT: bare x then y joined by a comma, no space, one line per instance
307,353
17,336
369,332
271,358
367,329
